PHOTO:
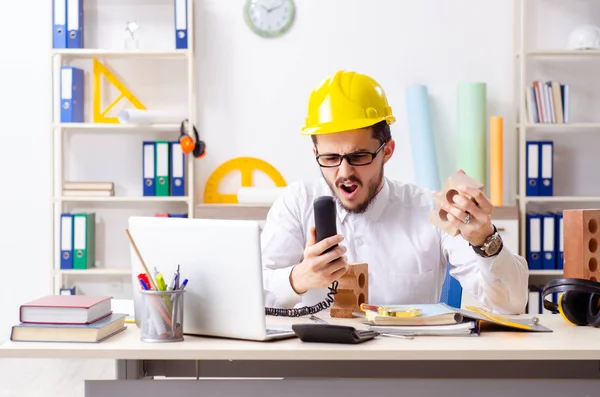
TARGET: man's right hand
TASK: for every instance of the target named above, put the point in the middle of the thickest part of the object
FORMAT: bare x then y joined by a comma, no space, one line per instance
319,270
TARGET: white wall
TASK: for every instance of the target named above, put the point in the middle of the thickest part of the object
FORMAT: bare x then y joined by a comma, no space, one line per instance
252,93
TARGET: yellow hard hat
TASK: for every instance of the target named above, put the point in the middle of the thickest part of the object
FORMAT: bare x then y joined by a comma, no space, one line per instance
346,101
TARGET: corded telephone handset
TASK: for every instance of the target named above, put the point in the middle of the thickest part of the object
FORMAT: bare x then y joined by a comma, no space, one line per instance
325,224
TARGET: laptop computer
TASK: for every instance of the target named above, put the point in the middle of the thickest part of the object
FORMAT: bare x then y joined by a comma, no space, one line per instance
221,260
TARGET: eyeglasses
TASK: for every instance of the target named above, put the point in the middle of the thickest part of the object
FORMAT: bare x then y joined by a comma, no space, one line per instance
327,160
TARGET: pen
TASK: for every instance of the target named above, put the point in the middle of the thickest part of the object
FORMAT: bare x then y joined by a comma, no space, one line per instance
144,285
183,284
172,282
177,278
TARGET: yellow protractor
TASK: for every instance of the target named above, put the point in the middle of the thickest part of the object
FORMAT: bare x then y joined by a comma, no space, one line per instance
246,166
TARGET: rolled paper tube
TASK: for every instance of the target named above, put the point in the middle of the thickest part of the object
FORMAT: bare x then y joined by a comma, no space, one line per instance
421,137
496,160
139,116
471,122
255,195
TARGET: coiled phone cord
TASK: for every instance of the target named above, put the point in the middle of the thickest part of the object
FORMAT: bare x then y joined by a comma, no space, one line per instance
306,310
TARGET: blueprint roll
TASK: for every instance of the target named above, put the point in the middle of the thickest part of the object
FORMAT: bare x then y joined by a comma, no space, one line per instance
139,116
421,137
471,123
257,195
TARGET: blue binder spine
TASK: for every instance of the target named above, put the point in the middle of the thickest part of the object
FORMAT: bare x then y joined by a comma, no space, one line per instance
148,177
181,30
546,168
177,170
71,94
549,245
75,23
59,24
534,241
66,241
532,169
559,242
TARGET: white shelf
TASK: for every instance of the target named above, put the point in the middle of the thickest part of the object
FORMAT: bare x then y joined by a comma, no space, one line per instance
94,272
560,199
91,52
117,132
125,199
567,126
563,53
117,126
546,272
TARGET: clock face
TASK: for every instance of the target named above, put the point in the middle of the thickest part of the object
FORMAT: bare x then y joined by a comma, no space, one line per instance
269,18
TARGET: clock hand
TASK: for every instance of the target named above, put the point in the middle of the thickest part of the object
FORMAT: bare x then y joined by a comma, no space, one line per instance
274,8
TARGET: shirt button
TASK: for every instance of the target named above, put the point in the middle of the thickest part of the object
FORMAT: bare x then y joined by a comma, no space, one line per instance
359,241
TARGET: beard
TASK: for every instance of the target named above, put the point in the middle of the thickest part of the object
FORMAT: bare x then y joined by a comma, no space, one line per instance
372,189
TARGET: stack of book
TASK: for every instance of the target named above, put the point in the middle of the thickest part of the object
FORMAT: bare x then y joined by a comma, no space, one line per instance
67,318
84,189
547,102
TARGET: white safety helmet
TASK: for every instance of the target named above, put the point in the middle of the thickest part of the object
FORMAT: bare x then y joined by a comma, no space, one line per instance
584,37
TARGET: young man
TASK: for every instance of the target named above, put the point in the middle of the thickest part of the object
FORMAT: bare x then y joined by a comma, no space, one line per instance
380,222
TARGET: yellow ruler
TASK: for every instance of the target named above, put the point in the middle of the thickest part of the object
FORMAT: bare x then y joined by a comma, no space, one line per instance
247,166
99,115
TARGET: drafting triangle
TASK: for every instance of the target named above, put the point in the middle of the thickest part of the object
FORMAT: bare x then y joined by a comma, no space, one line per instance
100,115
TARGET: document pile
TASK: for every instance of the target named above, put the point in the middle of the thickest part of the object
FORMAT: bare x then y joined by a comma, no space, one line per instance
439,320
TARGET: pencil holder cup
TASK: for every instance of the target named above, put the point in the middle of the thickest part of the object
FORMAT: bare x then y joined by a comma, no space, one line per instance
162,316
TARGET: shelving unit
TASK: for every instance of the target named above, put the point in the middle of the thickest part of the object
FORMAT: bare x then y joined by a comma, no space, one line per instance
123,203
541,36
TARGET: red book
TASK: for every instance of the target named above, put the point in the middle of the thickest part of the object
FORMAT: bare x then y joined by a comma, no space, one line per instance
66,309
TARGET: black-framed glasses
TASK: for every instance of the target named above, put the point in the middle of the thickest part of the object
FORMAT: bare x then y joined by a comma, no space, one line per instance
331,160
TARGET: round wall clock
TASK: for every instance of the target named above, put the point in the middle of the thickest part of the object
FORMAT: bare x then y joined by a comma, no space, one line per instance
269,18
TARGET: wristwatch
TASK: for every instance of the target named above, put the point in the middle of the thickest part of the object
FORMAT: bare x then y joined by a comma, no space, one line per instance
491,246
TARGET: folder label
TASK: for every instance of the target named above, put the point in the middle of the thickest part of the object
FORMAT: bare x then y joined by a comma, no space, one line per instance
149,188
162,169
181,40
533,164
546,168
59,36
549,246
74,23
177,170
66,241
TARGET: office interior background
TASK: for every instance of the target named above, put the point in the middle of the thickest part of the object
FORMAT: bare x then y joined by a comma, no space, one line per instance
251,96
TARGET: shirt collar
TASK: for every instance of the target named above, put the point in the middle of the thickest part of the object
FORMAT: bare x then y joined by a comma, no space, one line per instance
376,208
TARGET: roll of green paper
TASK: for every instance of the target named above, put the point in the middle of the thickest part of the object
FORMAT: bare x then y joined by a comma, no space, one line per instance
471,122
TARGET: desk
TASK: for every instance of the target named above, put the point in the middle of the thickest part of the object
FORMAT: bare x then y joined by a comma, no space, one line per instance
562,363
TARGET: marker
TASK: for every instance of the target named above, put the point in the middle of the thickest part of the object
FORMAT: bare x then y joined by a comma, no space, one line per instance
160,282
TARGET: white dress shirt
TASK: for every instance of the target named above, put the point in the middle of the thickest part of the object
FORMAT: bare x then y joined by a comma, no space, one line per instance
406,255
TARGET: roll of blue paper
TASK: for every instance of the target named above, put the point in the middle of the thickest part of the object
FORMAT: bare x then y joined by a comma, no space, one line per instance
421,137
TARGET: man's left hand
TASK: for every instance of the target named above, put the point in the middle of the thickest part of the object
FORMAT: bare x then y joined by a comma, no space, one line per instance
473,219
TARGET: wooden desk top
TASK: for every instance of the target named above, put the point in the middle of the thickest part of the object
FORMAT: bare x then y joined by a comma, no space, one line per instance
567,342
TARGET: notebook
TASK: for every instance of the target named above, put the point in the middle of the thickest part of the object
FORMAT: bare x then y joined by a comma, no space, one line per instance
95,332
65,309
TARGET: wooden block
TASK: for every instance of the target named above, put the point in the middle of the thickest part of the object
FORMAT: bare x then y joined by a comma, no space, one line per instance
581,231
353,289
438,217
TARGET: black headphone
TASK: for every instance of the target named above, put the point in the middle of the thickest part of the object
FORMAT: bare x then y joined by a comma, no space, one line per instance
579,303
188,144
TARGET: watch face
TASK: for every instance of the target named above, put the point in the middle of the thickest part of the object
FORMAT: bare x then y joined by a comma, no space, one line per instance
493,245
269,18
